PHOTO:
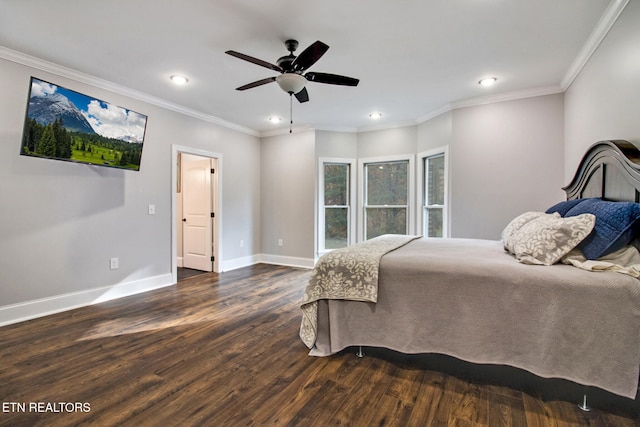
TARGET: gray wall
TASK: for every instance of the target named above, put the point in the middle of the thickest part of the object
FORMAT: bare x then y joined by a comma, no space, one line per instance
336,144
288,175
436,132
60,222
387,142
506,158
603,102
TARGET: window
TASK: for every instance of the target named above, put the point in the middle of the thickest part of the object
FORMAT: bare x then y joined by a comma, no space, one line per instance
386,197
336,197
434,193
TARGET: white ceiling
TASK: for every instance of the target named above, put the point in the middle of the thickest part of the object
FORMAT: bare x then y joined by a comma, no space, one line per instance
414,58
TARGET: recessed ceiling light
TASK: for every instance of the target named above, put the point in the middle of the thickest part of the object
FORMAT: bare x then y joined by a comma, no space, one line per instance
489,81
375,116
179,80
275,119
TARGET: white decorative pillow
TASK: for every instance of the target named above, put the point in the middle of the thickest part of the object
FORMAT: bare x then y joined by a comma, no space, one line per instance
546,239
517,223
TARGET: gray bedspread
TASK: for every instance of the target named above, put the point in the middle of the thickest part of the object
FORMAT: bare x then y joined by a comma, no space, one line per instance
349,273
471,300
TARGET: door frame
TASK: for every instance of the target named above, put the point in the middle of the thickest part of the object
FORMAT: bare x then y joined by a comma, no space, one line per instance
216,184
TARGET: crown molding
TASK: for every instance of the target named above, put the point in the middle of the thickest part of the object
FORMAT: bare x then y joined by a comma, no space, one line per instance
62,71
508,96
490,99
345,129
435,113
386,126
598,34
283,131
304,128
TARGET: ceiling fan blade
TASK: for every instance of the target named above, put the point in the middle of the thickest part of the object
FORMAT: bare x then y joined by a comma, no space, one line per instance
257,83
309,56
254,60
332,79
303,95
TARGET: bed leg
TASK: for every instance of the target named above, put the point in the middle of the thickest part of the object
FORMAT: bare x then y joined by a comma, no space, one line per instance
360,353
584,406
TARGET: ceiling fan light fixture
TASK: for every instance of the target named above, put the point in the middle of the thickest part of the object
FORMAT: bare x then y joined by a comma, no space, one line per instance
489,81
291,83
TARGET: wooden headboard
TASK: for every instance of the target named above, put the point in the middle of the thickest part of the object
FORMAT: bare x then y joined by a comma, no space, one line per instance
609,169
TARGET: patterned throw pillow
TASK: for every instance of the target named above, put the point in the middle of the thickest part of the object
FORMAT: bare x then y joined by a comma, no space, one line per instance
548,238
517,223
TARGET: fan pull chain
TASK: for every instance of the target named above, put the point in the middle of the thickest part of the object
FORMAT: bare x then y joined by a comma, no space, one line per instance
290,112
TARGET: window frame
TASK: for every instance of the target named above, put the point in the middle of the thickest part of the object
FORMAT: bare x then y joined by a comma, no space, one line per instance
351,199
422,191
362,190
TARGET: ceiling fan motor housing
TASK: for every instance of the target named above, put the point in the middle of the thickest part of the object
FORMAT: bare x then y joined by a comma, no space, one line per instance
285,62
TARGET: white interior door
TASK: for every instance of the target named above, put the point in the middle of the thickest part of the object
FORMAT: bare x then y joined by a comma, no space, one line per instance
197,230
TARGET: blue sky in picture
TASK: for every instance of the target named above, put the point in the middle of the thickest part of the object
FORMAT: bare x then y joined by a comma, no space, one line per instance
106,119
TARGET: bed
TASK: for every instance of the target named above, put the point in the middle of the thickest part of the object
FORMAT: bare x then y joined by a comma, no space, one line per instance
484,302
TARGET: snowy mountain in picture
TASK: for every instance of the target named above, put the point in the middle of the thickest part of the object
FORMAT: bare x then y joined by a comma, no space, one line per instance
46,109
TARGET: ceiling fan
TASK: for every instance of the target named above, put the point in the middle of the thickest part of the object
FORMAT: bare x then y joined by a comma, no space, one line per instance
292,78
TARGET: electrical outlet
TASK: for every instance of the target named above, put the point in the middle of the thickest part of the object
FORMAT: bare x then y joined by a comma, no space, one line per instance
114,263
280,242
242,243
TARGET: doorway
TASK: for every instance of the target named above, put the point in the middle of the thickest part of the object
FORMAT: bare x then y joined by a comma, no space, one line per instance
196,177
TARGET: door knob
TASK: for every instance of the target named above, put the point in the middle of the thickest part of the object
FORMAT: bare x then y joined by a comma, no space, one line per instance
184,219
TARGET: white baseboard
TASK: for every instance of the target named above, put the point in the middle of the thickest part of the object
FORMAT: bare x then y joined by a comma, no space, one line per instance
267,259
20,312
288,261
236,263
28,310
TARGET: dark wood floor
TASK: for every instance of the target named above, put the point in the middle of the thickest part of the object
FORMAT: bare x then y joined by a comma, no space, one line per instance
186,273
223,350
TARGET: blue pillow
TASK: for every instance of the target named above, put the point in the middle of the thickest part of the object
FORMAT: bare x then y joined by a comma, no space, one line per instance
616,225
563,207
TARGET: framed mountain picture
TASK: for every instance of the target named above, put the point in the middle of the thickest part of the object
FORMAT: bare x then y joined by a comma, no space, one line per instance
62,124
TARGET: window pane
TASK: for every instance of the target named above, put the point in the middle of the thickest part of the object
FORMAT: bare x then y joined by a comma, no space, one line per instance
435,180
387,183
386,221
335,227
434,222
335,184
